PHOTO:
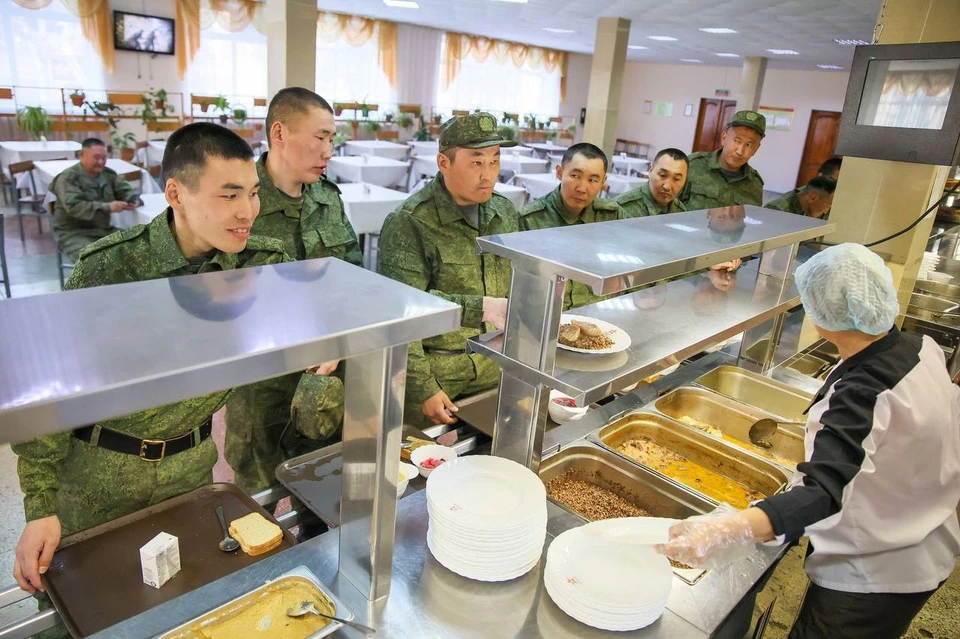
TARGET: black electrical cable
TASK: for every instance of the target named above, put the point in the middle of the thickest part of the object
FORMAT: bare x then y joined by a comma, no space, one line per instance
935,206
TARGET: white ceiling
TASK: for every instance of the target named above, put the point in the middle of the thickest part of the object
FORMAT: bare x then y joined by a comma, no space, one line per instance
806,26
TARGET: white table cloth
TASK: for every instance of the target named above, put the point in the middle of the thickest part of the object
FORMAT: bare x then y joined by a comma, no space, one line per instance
16,151
623,183
521,165
152,154
545,148
516,194
46,170
368,205
537,184
380,148
369,169
630,165
426,147
153,205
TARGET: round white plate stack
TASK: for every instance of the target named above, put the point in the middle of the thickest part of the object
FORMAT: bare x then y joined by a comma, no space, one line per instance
488,517
603,575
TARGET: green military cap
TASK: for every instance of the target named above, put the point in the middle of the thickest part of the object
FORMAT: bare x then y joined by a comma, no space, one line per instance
750,119
474,131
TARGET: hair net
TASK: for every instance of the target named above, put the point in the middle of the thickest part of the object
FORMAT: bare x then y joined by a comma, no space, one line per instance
848,288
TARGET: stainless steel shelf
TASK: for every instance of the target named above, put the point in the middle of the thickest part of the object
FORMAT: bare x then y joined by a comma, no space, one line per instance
615,256
692,315
79,357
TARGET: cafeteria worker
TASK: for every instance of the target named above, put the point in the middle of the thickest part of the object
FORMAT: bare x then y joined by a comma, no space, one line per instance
877,495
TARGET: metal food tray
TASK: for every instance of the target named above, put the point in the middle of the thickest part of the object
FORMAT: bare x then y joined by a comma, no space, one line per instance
732,462
733,419
809,365
767,394
237,606
315,479
95,579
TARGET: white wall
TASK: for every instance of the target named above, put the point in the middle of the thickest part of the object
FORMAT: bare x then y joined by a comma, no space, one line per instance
578,84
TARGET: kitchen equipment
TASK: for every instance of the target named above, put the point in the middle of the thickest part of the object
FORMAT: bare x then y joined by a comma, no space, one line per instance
307,607
763,430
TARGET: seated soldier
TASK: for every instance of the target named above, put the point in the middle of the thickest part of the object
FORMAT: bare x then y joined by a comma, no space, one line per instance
76,480
814,199
87,193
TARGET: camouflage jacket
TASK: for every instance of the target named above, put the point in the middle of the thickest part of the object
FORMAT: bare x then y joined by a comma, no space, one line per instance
788,203
429,244
639,202
144,252
310,226
84,202
707,188
550,212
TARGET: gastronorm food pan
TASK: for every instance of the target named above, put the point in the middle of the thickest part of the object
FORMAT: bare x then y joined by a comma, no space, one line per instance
765,393
735,465
733,420
809,365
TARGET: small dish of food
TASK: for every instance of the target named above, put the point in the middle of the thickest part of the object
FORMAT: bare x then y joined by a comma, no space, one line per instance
428,458
407,472
589,335
563,409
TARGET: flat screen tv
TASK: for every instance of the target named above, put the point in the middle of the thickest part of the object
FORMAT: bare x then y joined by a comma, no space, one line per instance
137,32
903,104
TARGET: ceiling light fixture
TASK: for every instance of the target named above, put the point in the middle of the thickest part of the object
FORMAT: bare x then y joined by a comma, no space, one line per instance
783,52
832,67
727,55
552,30
663,38
850,43
717,30
690,60
513,1
635,46
401,4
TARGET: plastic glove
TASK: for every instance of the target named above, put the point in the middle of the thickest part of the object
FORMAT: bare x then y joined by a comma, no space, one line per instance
495,311
711,541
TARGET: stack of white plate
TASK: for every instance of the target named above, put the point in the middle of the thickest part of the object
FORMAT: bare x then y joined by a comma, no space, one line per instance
928,264
604,575
488,517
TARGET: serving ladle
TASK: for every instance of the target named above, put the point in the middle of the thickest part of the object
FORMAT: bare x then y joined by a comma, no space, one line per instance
308,607
763,430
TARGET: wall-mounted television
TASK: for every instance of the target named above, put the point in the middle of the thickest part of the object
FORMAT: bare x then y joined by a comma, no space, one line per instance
903,104
138,32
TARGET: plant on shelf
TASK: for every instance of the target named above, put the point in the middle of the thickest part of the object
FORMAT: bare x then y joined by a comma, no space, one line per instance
160,99
507,132
388,117
405,121
77,97
340,138
572,130
552,134
239,116
371,126
221,104
34,121
437,118
365,109
124,143
530,120
422,134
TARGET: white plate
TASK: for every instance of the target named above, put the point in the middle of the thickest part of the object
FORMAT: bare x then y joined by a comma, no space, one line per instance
486,492
621,341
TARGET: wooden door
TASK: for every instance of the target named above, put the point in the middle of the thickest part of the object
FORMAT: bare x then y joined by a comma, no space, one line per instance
820,145
714,115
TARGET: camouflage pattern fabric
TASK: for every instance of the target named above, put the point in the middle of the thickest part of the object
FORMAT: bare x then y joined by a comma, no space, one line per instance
82,207
788,203
639,202
311,226
85,485
427,243
474,131
707,188
550,212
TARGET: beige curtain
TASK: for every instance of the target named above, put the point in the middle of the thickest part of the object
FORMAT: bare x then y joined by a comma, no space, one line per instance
932,83
481,49
96,23
232,15
387,50
33,4
357,31
187,33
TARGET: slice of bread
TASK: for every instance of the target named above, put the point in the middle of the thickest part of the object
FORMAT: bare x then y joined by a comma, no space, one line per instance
256,534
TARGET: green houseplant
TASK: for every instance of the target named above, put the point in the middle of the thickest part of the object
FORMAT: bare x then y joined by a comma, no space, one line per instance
239,116
388,117
124,143
405,120
160,99
422,134
34,121
222,105
371,126
77,97
507,132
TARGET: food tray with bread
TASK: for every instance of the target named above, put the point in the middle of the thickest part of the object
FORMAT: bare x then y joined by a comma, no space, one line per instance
95,579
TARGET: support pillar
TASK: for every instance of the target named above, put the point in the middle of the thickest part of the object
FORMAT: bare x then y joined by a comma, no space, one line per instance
751,82
291,44
606,80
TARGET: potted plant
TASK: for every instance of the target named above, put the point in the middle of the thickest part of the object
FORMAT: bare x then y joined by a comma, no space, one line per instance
371,126
339,139
552,134
34,121
148,116
405,120
239,116
437,118
125,143
572,130
77,97
507,132
388,117
530,120
422,134
221,104
160,99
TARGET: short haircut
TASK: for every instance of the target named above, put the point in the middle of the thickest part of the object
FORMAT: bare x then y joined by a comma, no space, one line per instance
676,154
830,166
587,150
189,148
86,144
824,184
293,101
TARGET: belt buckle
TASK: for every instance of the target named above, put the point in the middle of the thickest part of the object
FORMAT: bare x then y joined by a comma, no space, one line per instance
148,442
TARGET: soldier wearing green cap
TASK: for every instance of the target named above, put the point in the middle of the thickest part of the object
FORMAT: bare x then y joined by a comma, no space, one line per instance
429,242
724,177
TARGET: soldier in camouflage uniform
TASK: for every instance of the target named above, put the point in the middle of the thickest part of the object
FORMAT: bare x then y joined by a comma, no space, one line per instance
814,199
75,480
668,175
429,242
582,174
724,177
87,193
302,208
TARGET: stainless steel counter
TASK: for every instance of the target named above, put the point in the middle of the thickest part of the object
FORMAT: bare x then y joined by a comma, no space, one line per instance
427,600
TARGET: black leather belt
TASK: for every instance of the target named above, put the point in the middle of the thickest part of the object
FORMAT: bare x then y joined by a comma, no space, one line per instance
151,450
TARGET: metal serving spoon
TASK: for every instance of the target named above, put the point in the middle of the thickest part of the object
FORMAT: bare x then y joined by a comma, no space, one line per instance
228,543
764,429
308,607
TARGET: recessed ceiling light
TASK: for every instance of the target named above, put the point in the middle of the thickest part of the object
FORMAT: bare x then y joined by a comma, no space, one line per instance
727,55
690,60
849,43
783,52
830,66
635,46
663,38
552,30
514,1
401,4
717,30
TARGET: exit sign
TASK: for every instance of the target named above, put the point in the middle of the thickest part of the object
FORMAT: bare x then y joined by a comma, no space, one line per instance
721,93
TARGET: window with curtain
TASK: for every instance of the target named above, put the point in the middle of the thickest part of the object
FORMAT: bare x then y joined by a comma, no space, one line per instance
42,50
233,64
499,87
911,94
348,73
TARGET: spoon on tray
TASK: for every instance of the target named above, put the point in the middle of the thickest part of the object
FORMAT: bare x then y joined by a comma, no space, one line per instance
307,607
228,543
